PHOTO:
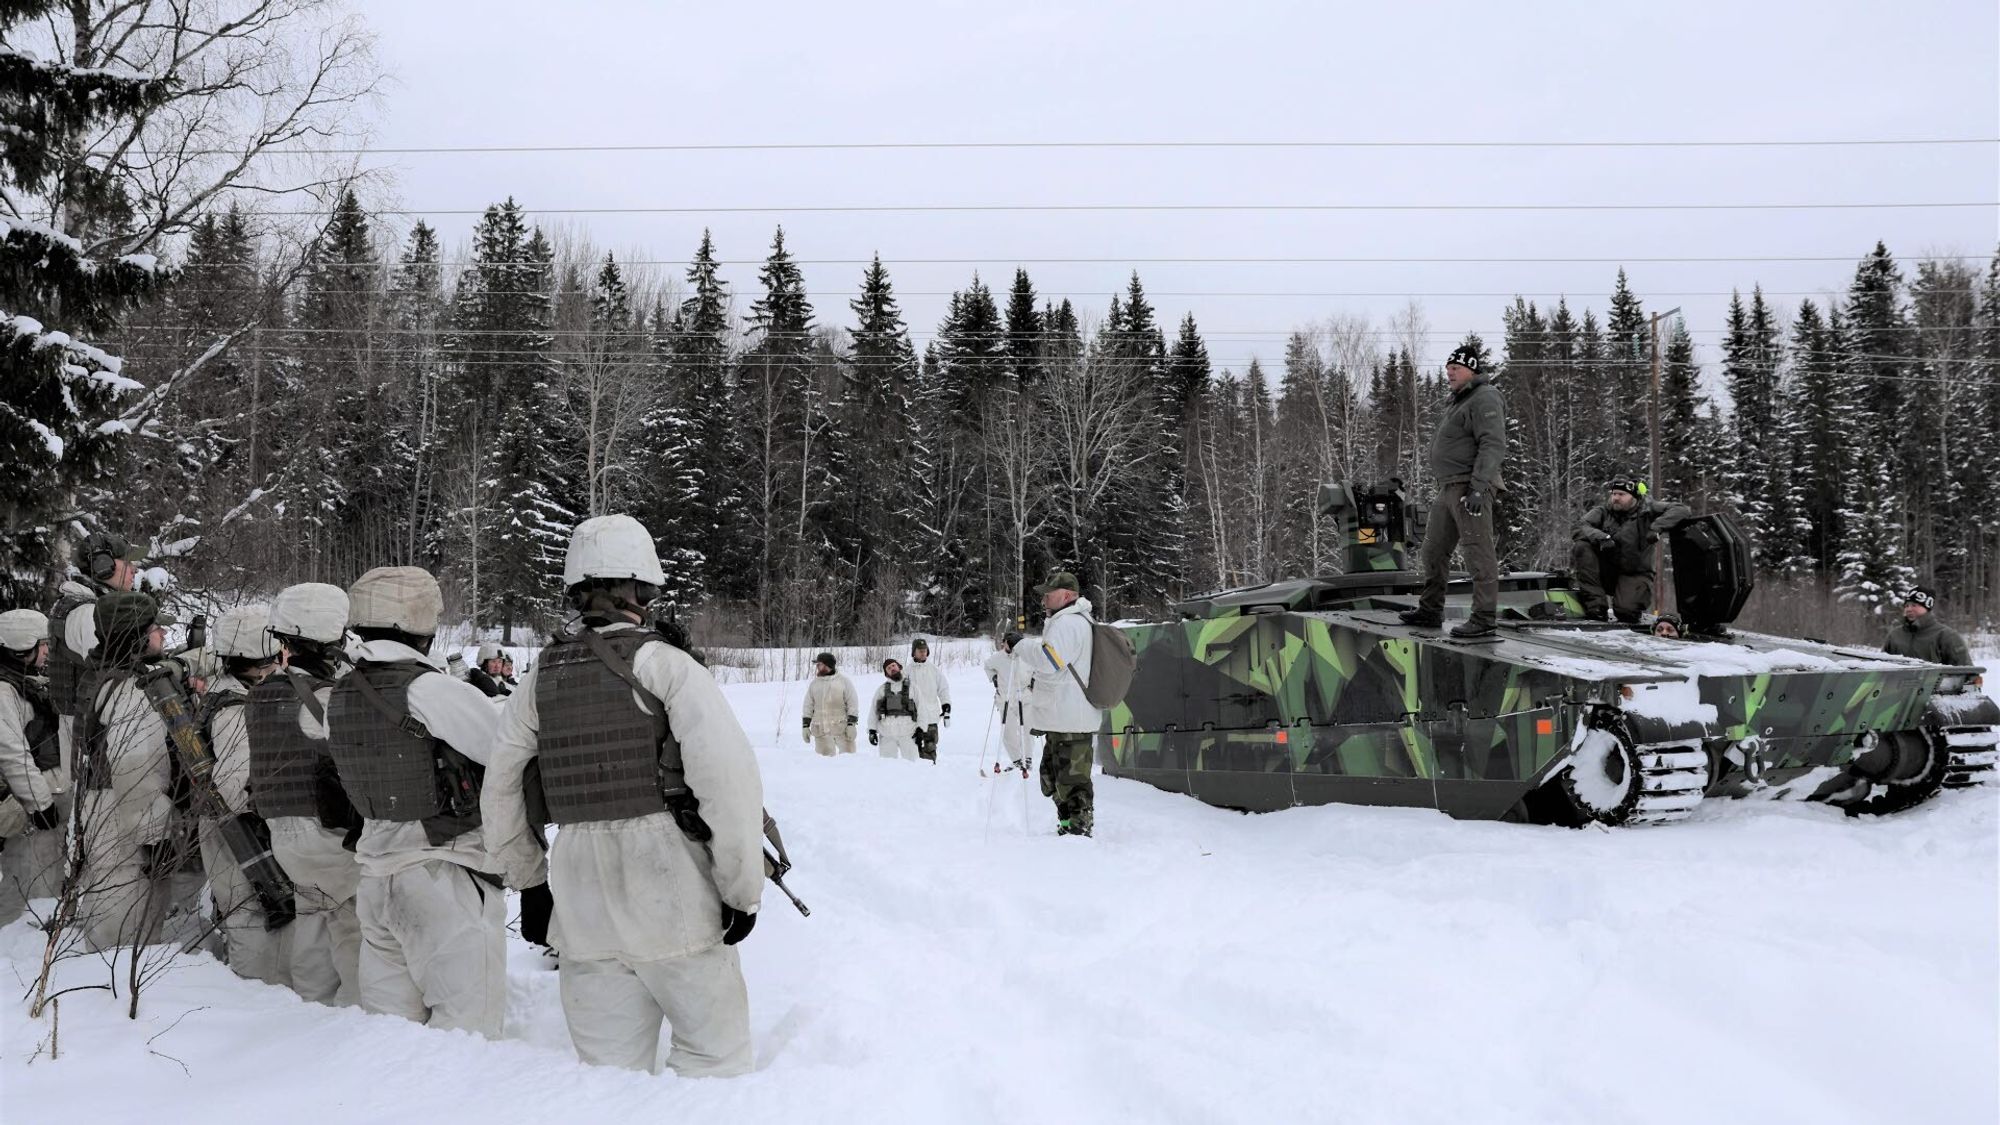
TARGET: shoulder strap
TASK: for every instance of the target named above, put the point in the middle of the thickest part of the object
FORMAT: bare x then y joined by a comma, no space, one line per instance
216,704
308,698
403,720
673,774
622,668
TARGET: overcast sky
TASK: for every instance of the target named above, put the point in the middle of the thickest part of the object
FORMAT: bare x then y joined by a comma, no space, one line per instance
624,72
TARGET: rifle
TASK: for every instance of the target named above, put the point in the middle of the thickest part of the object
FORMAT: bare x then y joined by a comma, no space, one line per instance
775,866
245,835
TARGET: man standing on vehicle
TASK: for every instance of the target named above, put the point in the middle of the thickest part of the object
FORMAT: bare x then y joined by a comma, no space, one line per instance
1467,451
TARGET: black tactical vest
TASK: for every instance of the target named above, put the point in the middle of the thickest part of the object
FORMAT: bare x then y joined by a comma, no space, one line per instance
71,677
897,701
389,768
284,760
599,750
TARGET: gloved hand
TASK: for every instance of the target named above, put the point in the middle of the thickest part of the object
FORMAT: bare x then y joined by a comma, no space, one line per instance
805,730
1600,537
874,738
944,712
45,820
155,860
850,720
736,924
1474,501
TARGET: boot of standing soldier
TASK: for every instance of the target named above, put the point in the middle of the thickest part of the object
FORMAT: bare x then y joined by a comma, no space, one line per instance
31,856
411,744
296,788
1058,709
249,655
660,854
933,695
1467,451
1612,560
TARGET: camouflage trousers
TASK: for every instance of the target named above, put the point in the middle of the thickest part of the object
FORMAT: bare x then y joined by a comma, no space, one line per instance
1066,760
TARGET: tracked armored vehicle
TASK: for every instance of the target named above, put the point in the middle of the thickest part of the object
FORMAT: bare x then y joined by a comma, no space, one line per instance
1313,692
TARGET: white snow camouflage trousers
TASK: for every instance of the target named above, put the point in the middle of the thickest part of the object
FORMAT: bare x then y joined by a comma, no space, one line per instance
898,736
433,947
614,1009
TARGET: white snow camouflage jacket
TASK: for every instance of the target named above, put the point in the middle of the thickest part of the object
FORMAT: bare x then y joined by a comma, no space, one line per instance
1055,701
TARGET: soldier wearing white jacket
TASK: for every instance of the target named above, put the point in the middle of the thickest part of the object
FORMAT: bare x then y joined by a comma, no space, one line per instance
31,866
124,811
830,709
1009,678
249,655
1058,708
295,788
892,717
106,564
933,695
657,870
410,743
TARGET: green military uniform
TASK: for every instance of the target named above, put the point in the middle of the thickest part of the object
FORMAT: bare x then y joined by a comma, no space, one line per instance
1613,555
1926,638
1467,450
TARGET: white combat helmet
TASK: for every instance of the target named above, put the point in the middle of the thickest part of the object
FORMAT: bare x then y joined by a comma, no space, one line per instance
23,629
490,651
312,610
612,547
244,632
405,598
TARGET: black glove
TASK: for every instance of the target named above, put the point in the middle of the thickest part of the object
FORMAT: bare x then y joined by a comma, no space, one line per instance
1474,501
874,738
850,720
45,820
736,924
805,724
945,711
155,860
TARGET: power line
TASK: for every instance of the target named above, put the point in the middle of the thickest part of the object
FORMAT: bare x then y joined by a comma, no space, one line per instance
1017,208
937,146
462,263
378,330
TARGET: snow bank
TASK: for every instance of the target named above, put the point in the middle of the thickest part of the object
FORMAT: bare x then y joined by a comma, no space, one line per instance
1189,964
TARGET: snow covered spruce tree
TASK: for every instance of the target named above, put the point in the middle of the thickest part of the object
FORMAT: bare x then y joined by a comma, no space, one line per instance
667,488
510,520
875,412
58,422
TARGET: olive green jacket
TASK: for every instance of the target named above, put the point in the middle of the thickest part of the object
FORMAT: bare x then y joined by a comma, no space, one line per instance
1470,442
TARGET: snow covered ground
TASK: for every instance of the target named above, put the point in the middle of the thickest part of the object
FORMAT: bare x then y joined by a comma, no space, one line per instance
1761,962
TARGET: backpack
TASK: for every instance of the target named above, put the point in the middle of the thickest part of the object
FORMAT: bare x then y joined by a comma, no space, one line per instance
1112,663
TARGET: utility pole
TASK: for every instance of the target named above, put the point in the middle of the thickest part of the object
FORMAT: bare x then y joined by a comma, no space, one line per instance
1653,470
